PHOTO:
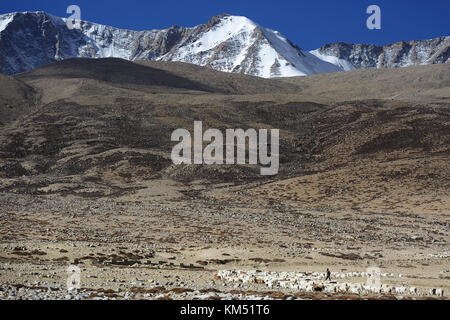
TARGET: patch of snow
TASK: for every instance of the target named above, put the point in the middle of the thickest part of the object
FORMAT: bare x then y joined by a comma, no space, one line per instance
233,31
5,19
229,27
342,64
302,61
268,56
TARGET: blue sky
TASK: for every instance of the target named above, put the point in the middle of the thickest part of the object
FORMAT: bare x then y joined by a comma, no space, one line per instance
310,24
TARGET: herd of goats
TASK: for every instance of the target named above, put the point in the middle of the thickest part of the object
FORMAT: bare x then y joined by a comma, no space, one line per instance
315,282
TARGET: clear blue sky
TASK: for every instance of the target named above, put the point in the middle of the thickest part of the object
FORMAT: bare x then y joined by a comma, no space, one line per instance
310,23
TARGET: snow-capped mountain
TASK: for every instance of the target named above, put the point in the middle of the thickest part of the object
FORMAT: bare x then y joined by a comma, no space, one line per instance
400,54
225,43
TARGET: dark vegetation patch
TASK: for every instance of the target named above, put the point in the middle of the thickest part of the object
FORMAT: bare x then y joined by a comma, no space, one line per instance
345,256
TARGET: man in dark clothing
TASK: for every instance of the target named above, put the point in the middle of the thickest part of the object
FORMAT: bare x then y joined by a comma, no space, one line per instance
328,275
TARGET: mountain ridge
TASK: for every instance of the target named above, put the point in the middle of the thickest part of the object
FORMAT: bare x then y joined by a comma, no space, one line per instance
395,55
225,43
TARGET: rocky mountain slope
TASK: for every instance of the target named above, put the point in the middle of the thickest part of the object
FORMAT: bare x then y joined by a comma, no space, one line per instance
100,131
16,99
400,54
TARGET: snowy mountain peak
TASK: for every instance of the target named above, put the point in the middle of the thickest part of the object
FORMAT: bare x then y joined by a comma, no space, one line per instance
228,18
237,44
225,43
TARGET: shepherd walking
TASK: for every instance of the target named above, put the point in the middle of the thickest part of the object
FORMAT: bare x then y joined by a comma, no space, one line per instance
328,275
